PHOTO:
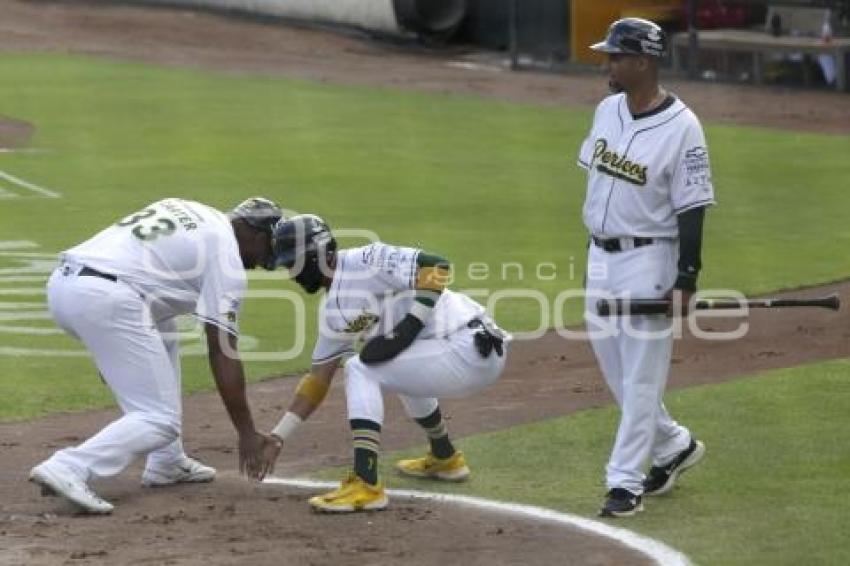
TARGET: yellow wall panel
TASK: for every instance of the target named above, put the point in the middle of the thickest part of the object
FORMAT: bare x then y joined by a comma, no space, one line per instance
591,18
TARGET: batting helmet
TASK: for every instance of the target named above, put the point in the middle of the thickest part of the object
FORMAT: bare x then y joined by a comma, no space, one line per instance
634,36
304,244
258,212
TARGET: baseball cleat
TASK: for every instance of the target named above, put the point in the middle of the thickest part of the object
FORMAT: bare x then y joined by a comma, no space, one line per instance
353,494
621,503
187,471
661,479
56,479
453,468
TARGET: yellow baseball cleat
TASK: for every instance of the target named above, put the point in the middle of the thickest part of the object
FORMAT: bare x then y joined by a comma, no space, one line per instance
450,469
353,494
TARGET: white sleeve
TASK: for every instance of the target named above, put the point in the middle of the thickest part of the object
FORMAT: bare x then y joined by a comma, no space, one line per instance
393,265
332,339
691,185
222,288
333,336
585,152
330,347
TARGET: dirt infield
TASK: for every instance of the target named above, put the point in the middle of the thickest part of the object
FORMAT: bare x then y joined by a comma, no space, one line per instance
236,521
233,518
14,133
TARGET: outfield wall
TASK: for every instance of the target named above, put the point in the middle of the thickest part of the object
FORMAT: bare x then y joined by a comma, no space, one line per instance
396,17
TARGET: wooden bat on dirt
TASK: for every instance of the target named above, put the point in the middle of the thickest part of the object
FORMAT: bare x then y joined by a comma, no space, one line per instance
607,307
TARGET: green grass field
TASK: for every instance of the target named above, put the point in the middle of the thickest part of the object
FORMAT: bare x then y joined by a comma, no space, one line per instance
771,490
481,182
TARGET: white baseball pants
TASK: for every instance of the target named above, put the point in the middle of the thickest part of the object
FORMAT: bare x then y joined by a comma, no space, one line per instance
139,362
426,371
634,355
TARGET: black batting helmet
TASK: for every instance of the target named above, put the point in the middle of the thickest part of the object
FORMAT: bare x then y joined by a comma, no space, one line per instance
634,36
303,244
258,212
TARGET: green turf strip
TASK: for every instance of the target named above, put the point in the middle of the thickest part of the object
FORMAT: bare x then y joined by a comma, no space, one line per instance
772,489
491,185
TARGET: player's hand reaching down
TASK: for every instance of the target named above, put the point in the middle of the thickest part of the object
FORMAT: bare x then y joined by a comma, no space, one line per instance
271,450
257,454
250,453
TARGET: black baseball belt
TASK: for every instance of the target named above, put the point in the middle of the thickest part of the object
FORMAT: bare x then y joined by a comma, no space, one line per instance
615,245
87,271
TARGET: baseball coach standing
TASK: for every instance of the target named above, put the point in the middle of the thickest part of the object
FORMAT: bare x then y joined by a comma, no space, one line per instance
648,184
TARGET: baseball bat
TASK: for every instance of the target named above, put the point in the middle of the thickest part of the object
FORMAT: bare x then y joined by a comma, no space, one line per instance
607,307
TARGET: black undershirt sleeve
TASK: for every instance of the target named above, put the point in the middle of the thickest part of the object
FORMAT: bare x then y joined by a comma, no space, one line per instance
690,248
384,348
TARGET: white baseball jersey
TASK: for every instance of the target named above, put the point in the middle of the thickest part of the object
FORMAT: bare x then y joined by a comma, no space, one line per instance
180,255
372,290
644,170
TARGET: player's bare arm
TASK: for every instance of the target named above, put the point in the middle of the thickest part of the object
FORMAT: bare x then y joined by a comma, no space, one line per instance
230,381
311,391
432,275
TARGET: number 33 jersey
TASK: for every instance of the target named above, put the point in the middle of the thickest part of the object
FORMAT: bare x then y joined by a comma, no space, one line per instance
643,170
181,256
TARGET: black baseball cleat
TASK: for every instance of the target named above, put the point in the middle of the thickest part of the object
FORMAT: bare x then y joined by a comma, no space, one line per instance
661,479
621,503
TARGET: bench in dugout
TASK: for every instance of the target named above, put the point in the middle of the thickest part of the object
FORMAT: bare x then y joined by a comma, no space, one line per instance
788,31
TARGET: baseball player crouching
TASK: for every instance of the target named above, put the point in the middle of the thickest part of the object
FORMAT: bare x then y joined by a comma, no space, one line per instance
422,342
119,293
648,186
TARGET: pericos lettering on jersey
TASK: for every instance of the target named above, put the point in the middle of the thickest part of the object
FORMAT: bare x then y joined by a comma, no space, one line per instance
616,165
643,172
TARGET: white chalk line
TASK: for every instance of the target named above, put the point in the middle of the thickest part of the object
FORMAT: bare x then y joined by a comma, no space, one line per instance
24,150
27,311
18,245
35,352
23,315
30,186
4,306
31,330
30,255
35,269
23,279
469,66
24,291
195,349
656,550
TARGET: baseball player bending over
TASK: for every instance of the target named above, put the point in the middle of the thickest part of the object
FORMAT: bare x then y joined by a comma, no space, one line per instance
422,342
648,186
119,293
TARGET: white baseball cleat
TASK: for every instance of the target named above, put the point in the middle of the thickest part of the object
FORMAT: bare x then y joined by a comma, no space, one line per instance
187,471
56,479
